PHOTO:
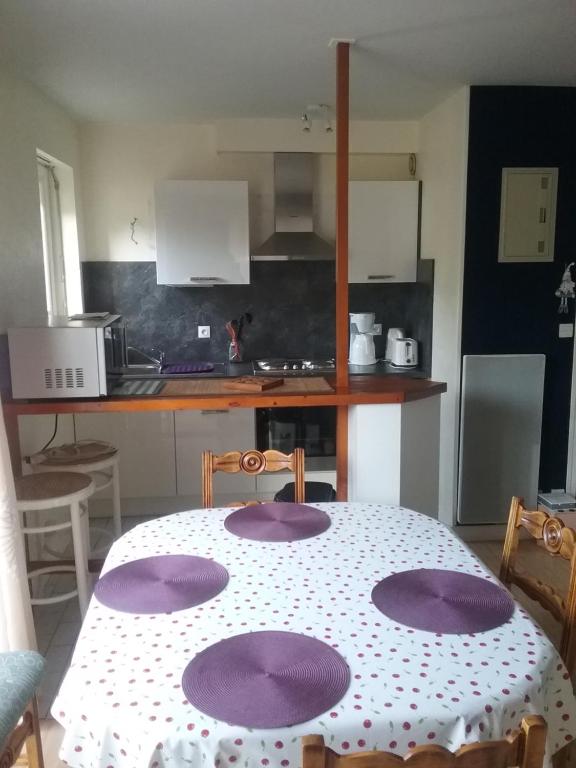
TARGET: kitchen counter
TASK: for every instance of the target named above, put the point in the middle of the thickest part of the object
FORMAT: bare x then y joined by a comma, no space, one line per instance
361,390
383,368
380,369
232,370
388,428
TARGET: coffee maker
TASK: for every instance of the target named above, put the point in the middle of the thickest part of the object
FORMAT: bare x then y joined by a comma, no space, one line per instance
362,332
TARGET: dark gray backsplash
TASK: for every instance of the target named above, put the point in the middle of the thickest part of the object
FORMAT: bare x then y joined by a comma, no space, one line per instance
292,303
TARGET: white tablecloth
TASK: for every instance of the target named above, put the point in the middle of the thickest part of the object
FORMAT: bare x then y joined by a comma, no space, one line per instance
122,705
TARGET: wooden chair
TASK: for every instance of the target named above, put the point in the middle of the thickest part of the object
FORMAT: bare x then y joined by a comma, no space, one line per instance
251,463
523,748
558,540
20,675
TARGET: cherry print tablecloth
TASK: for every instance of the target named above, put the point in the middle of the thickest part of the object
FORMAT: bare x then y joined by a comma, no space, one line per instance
122,704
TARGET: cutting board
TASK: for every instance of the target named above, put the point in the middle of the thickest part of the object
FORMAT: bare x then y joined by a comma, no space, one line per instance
253,383
200,387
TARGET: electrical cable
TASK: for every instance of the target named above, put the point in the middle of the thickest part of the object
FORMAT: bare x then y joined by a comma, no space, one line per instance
53,434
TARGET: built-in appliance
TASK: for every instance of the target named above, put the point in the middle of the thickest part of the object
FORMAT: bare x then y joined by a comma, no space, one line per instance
362,334
294,237
313,428
67,358
404,353
294,366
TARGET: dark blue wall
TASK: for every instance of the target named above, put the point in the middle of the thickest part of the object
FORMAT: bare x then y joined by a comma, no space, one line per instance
511,308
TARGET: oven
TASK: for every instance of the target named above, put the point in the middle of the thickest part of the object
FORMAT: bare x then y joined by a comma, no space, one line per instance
312,428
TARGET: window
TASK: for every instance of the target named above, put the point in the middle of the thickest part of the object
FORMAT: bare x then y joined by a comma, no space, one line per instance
59,236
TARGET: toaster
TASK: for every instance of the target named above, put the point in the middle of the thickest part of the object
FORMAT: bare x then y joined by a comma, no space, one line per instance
404,353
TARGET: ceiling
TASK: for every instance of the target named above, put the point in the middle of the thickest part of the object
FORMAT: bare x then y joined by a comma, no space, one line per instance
200,59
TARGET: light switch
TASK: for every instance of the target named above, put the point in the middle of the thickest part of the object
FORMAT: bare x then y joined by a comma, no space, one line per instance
565,330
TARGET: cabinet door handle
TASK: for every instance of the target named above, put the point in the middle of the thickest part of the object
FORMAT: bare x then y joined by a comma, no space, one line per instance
207,280
381,277
214,411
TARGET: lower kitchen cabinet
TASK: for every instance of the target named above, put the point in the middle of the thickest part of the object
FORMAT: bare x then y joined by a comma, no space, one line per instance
161,455
146,444
218,431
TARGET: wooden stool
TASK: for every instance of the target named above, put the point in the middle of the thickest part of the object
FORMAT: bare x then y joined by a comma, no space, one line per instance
92,457
50,490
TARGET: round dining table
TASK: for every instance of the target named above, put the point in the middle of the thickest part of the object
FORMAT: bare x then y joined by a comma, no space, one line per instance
122,702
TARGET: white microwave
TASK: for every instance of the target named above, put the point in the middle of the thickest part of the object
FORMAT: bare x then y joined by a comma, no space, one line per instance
67,358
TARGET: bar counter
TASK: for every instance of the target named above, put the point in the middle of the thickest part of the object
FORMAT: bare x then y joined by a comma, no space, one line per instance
361,390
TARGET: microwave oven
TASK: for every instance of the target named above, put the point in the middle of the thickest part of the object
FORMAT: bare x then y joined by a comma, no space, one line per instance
67,358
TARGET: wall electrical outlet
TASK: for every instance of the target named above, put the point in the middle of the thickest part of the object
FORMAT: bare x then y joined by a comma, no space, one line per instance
377,329
565,330
203,331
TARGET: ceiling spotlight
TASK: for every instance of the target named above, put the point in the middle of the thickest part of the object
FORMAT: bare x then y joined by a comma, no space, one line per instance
321,112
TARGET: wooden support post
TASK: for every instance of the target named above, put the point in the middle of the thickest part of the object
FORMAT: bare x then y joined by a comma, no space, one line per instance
342,142
342,453
342,150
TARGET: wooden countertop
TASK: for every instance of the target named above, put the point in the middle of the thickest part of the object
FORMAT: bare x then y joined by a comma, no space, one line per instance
361,390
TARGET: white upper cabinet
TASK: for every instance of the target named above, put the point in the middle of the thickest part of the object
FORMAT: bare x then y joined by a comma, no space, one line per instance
383,231
202,233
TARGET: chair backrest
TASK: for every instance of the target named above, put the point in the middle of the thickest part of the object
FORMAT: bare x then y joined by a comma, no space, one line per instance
523,748
558,540
20,676
251,463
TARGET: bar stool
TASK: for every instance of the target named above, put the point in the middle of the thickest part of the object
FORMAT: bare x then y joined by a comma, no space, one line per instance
51,490
96,458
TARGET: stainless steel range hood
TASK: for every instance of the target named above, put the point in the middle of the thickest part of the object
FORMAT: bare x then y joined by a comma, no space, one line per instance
294,238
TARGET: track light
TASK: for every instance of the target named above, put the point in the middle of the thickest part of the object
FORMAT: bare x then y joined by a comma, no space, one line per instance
321,112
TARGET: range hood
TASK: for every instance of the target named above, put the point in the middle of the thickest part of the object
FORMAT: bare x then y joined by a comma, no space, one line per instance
294,238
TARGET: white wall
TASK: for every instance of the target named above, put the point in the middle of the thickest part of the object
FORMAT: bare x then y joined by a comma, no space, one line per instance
442,166
120,164
285,135
28,121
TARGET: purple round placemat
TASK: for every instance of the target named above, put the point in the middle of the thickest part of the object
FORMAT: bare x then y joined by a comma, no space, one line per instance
187,367
442,601
266,679
277,521
161,584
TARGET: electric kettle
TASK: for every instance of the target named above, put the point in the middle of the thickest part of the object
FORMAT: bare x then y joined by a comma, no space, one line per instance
404,353
393,334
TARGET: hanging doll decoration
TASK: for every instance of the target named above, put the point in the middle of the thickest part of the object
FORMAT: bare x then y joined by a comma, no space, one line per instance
566,289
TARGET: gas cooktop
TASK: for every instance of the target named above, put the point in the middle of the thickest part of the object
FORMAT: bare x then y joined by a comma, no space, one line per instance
293,367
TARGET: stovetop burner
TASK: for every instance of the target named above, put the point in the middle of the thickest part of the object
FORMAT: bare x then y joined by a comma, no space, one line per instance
291,367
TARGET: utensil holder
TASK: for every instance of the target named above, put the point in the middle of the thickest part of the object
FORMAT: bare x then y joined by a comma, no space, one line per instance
235,352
